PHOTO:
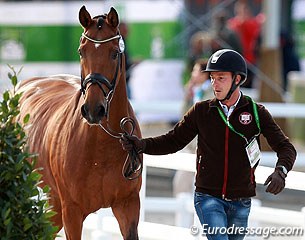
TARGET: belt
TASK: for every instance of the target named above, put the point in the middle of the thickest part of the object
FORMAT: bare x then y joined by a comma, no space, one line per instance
232,199
222,197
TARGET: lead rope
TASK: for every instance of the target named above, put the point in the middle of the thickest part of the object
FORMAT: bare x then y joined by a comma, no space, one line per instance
133,166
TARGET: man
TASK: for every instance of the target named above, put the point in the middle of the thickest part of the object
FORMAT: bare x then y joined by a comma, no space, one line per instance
228,129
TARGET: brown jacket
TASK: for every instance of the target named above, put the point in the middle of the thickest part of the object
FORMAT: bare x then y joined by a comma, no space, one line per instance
223,168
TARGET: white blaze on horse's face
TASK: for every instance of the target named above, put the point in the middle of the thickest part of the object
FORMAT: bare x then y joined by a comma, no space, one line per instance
97,45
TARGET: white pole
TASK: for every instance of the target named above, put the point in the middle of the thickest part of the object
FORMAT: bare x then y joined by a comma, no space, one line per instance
271,29
303,211
184,217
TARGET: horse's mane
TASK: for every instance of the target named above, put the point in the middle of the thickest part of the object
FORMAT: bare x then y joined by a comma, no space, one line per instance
53,93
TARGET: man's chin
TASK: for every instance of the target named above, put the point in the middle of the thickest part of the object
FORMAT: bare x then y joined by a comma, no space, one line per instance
218,96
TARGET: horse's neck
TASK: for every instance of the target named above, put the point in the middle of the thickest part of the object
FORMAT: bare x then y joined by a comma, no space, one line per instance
119,103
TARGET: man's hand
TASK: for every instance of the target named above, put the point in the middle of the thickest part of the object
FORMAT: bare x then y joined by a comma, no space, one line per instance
275,182
128,142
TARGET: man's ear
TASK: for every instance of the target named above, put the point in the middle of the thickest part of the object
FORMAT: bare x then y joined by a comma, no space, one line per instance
237,79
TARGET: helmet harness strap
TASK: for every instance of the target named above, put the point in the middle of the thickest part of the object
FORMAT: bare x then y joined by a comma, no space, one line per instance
233,87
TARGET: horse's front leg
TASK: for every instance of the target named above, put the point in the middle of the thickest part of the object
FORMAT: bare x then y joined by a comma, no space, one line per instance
72,220
127,213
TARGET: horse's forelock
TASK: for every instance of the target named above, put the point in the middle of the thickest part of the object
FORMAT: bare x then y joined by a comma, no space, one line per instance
101,16
100,20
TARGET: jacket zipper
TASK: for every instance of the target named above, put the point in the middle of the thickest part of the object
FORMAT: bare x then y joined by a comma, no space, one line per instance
198,166
252,175
225,174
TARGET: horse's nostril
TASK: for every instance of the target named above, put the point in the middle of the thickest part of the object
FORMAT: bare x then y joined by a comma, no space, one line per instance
84,110
101,111
94,115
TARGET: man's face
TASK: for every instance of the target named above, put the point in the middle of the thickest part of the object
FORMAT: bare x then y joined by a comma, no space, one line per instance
221,83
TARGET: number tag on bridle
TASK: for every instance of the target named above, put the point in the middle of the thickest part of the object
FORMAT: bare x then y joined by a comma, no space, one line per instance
121,45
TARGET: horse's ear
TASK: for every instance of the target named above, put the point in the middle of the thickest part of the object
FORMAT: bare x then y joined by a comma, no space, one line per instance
113,17
84,17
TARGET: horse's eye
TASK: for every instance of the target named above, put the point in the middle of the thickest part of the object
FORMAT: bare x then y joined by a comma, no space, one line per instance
115,54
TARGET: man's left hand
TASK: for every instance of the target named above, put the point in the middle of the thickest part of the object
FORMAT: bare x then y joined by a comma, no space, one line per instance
275,182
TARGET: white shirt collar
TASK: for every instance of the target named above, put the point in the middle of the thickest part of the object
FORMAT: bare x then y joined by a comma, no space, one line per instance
227,110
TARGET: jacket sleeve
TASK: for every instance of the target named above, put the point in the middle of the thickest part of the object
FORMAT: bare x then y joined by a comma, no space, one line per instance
276,139
176,139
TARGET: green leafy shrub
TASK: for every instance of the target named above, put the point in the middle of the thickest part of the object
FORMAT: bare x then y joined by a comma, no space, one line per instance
24,211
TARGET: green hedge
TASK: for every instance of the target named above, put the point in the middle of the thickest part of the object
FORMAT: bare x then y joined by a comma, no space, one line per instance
24,211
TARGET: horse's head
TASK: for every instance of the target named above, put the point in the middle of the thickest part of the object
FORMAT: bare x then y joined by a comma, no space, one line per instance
101,47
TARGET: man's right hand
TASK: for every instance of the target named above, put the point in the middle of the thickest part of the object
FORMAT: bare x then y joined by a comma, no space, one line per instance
275,182
128,142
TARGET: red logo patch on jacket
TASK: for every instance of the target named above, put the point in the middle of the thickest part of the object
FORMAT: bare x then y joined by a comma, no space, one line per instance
245,118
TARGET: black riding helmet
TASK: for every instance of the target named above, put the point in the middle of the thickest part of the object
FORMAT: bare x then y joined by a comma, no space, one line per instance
227,60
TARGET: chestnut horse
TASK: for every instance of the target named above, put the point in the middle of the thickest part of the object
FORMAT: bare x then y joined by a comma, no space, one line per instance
76,133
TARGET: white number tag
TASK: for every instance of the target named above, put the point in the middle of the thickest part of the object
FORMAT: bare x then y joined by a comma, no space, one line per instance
253,152
121,45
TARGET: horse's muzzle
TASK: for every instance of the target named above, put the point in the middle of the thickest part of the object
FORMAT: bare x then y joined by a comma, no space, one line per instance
94,115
